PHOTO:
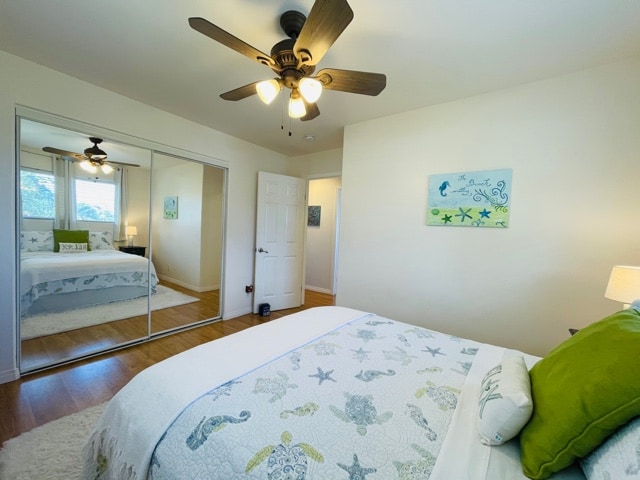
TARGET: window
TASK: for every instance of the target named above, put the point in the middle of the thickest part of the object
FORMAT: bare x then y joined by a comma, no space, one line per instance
37,194
95,201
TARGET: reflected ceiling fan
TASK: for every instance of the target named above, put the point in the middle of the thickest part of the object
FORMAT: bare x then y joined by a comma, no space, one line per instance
294,59
92,158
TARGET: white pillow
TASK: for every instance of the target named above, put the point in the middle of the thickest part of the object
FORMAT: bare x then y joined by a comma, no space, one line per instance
101,240
36,241
505,403
73,247
618,457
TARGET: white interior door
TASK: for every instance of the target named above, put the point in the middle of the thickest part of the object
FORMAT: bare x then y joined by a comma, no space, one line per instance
279,256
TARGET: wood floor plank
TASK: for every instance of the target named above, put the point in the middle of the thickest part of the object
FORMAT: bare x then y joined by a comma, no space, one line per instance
39,398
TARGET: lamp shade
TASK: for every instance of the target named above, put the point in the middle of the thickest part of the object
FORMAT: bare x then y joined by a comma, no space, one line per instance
268,90
624,284
296,105
310,88
131,230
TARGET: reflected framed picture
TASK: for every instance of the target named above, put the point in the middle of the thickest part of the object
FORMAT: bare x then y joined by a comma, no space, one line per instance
313,218
171,207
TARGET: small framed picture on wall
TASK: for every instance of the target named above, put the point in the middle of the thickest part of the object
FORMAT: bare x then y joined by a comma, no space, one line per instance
313,218
171,207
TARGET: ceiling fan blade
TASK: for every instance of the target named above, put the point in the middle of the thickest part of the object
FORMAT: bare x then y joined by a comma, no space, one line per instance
312,111
216,33
240,92
64,153
364,83
325,22
111,162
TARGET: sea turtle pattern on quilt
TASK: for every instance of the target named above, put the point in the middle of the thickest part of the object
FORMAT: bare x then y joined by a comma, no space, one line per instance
325,410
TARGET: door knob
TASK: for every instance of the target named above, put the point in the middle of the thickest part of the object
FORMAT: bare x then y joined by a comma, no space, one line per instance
262,250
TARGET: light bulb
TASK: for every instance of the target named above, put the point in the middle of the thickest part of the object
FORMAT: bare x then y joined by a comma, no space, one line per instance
310,88
296,105
268,90
88,166
106,169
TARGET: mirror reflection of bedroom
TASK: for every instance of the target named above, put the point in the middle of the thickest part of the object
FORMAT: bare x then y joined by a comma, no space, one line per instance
104,243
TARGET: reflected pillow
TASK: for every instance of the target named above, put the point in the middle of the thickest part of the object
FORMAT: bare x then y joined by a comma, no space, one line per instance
69,236
35,241
583,391
505,403
101,241
73,247
618,457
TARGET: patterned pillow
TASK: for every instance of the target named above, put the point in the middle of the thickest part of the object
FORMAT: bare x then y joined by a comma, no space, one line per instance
73,247
618,457
505,404
101,240
35,241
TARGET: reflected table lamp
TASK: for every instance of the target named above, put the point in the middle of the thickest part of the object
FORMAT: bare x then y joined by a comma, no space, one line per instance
624,285
131,232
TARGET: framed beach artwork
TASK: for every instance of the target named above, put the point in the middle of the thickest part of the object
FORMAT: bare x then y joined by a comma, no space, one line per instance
470,199
171,207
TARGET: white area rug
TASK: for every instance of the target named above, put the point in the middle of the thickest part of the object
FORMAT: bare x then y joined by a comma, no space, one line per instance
51,451
50,323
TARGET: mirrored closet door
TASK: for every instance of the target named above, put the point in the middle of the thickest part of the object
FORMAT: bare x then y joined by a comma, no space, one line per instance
112,250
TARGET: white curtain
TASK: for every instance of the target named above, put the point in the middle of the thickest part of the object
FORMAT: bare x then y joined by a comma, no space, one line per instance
120,220
65,178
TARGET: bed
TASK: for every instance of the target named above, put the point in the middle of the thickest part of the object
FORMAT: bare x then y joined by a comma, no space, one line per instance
331,393
54,281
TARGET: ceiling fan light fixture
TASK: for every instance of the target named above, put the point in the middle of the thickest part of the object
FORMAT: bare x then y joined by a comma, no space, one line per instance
268,90
87,166
296,105
310,89
106,168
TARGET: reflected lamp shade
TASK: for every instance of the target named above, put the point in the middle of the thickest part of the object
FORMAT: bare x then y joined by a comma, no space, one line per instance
131,231
624,284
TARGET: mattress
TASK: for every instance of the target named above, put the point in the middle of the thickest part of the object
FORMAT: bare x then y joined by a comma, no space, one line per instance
327,393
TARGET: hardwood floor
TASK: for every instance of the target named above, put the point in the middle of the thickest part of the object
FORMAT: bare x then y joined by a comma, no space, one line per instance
46,350
39,398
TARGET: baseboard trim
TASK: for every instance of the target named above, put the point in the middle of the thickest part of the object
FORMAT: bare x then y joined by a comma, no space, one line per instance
195,288
318,289
9,375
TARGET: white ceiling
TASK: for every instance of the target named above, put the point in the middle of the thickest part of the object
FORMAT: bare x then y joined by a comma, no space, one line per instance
432,51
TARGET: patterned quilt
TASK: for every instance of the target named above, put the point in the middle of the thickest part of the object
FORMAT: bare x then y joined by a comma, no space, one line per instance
372,399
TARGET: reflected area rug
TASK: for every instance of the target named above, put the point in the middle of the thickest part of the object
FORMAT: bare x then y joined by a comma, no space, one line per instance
50,323
51,451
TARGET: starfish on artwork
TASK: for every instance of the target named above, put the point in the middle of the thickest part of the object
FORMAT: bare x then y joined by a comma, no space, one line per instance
446,219
356,471
485,213
322,376
463,214
361,354
433,351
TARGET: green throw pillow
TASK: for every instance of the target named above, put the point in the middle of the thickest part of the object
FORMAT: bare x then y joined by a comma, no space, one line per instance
69,236
582,391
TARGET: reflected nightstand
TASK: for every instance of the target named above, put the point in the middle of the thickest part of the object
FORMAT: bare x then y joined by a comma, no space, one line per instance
134,250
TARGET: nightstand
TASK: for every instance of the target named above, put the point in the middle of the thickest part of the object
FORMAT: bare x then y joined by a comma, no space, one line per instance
134,250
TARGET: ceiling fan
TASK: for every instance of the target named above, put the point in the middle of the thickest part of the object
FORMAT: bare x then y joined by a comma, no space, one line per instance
92,158
295,58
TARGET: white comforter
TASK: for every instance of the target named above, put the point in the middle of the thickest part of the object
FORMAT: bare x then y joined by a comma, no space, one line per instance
135,420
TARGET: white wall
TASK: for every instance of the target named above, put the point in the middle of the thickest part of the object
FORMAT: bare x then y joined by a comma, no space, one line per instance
320,246
26,83
573,143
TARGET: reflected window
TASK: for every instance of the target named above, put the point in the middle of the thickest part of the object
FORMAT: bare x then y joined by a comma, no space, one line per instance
95,200
38,194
